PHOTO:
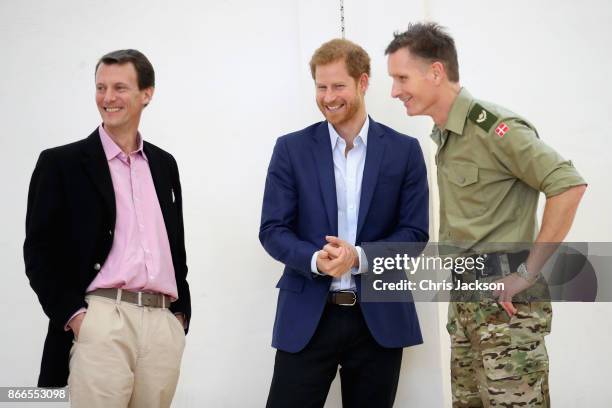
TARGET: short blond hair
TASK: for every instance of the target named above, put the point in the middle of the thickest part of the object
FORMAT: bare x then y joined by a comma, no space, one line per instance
356,58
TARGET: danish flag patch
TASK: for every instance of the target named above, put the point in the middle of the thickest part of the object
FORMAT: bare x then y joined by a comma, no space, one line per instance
501,129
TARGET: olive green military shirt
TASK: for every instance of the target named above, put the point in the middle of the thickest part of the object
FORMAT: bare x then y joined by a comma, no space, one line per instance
491,168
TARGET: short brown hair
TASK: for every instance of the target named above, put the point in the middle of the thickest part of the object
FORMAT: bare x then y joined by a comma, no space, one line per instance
356,58
429,41
144,69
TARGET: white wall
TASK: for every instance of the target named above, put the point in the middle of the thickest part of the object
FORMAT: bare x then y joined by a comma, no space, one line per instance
231,77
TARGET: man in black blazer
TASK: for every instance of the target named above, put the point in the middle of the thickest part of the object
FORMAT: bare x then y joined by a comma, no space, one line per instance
105,252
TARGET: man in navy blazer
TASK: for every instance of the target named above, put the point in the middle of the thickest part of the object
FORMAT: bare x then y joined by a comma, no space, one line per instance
330,187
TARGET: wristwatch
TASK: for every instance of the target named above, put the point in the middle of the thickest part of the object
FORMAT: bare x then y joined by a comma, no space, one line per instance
522,272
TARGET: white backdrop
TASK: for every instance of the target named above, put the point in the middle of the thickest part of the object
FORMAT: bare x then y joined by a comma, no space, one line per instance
232,76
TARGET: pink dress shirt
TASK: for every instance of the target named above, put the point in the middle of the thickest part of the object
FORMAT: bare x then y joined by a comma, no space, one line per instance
140,258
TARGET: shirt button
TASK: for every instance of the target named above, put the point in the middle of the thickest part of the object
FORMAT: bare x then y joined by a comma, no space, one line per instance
462,179
97,267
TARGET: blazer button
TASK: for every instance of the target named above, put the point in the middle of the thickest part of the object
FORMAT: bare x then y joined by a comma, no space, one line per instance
97,267
110,232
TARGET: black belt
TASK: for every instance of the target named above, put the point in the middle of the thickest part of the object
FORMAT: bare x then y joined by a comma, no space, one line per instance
342,298
495,264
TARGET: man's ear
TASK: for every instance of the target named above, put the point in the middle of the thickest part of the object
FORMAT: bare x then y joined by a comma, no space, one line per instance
364,82
438,72
147,95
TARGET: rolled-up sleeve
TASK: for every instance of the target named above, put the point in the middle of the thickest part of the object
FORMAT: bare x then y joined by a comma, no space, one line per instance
523,154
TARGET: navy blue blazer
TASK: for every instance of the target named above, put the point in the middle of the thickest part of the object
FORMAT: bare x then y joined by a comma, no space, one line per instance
300,209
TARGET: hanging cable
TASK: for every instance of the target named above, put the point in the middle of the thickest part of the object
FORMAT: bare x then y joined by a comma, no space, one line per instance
342,18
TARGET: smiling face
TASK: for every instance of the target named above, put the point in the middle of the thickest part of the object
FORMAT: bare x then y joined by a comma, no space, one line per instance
414,82
119,100
340,98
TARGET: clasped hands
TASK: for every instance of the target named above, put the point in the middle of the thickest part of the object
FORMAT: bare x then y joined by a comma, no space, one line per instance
337,257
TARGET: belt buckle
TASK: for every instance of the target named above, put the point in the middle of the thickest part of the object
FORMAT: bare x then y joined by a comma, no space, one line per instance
456,277
481,273
145,299
148,300
354,298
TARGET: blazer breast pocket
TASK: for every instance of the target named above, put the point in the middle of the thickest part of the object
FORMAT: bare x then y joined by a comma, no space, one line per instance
391,176
293,283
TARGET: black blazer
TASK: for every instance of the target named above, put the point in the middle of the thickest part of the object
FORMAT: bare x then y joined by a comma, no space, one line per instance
70,223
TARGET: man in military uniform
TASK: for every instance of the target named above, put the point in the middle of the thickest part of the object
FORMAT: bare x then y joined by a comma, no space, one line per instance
491,167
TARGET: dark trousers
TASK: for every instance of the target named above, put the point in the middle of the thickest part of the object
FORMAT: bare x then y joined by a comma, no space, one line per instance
369,373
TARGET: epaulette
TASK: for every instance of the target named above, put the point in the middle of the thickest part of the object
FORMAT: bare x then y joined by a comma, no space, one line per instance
482,117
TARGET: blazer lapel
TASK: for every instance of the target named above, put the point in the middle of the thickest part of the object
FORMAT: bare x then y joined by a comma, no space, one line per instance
163,186
374,156
96,165
324,163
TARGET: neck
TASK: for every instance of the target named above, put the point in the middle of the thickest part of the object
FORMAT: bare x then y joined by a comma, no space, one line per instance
443,106
126,139
350,129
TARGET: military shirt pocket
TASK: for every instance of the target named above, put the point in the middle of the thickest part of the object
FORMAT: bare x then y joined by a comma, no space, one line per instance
464,198
462,174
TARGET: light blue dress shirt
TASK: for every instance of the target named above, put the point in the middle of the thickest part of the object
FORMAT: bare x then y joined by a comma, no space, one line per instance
348,172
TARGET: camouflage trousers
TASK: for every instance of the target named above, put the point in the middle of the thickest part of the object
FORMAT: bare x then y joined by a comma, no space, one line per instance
497,361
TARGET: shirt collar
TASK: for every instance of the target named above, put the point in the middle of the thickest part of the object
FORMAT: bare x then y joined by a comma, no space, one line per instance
111,150
459,111
362,135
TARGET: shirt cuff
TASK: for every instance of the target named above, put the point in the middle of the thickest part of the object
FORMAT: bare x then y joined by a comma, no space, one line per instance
78,312
363,262
313,264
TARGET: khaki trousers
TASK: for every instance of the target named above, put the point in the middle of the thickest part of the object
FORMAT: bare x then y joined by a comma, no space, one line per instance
125,356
